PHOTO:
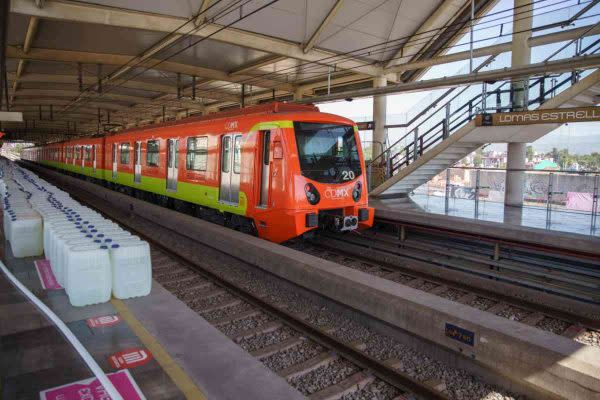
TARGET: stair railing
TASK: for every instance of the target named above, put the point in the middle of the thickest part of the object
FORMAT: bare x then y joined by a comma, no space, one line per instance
398,156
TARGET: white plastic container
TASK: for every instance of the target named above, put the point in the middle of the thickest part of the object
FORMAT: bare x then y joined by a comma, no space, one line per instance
25,233
73,241
131,268
88,279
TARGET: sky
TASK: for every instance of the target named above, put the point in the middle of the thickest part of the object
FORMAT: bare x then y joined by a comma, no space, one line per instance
579,138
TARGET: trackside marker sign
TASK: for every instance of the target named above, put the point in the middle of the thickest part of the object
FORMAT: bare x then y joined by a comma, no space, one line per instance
91,389
130,358
99,322
47,278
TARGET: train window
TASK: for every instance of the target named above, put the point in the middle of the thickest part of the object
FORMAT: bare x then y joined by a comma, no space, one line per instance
197,153
68,152
77,152
87,152
152,153
125,153
237,154
226,154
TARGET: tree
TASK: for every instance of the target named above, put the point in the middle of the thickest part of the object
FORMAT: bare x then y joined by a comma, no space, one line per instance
529,153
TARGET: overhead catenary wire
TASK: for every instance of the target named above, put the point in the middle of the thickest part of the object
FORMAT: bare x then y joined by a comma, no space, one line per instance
201,39
349,54
368,51
254,79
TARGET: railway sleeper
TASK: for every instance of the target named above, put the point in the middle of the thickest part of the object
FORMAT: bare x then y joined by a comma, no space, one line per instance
277,347
352,384
307,366
235,317
264,328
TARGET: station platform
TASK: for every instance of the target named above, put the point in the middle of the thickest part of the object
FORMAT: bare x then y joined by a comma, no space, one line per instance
507,224
145,342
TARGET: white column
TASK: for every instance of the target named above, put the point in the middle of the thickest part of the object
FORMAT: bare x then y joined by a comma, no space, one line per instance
298,94
379,116
521,55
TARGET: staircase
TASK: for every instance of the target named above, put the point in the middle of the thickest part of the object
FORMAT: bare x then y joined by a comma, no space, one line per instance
434,146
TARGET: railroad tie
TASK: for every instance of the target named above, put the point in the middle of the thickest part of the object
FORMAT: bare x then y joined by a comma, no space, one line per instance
349,385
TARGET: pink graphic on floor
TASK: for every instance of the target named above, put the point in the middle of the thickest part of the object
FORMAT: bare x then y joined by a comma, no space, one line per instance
91,389
47,278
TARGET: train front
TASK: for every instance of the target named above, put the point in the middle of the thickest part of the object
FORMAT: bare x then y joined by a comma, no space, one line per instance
328,173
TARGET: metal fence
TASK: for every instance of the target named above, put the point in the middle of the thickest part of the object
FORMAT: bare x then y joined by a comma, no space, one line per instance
558,200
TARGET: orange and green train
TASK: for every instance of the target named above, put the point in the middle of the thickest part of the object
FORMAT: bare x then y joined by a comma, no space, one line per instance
281,170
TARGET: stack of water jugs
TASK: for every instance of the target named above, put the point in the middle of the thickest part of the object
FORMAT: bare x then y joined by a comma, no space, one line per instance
90,255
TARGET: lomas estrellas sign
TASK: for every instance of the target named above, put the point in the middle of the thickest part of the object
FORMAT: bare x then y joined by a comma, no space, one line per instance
551,116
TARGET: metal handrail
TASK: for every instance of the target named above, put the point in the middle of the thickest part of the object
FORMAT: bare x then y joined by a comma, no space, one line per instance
426,139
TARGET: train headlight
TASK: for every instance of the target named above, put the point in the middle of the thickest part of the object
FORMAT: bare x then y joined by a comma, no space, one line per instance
357,191
312,194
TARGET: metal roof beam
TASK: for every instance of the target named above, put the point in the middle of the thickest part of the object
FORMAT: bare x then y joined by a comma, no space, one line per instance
104,15
131,84
442,16
317,33
29,36
121,59
262,62
535,41
538,69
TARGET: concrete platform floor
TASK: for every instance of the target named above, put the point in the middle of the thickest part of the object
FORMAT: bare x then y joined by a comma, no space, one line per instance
191,359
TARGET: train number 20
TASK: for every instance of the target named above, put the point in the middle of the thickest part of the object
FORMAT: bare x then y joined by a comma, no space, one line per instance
348,175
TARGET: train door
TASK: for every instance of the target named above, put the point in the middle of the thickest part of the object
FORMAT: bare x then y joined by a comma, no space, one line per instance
137,162
265,166
94,158
114,161
231,157
85,151
172,163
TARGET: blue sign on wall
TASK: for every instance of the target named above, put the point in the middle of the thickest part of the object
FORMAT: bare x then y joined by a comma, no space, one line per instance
460,334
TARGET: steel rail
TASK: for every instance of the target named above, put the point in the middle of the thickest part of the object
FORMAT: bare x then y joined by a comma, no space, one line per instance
388,374
522,303
492,239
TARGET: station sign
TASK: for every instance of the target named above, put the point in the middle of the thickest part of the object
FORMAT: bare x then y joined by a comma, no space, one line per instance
130,358
550,116
460,334
366,125
104,321
92,389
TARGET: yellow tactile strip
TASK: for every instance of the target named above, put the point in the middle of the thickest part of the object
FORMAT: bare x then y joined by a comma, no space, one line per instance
179,377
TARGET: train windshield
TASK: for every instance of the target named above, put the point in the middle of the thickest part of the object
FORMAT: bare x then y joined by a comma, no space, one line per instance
328,152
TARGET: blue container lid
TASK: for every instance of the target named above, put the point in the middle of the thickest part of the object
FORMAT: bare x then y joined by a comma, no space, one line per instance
104,247
97,241
108,240
89,236
114,246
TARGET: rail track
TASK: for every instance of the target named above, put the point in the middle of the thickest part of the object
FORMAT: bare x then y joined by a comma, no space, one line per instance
321,353
416,263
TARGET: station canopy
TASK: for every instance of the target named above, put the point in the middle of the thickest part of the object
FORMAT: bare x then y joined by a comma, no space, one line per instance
86,67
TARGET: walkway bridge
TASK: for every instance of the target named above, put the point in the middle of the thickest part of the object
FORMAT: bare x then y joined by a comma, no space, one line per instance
437,141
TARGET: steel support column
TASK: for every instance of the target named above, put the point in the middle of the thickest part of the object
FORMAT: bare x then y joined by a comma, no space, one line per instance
521,56
379,117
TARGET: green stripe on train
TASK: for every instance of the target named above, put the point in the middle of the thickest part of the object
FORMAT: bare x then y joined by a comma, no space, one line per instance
203,195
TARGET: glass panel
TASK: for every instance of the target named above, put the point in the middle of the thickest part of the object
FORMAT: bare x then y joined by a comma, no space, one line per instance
87,152
152,153
197,153
125,153
237,154
225,156
328,152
